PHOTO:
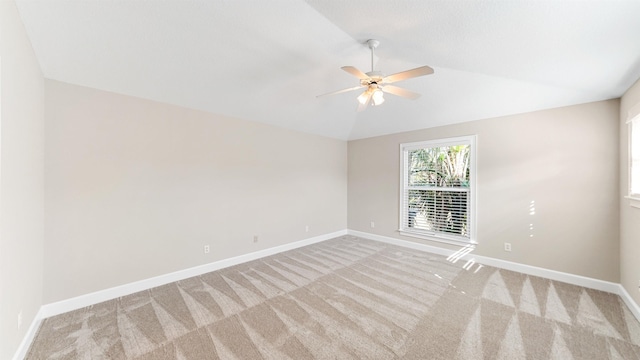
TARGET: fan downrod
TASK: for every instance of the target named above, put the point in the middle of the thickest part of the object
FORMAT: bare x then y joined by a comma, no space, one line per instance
373,44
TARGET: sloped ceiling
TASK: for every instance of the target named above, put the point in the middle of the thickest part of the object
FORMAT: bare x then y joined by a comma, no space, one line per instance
266,61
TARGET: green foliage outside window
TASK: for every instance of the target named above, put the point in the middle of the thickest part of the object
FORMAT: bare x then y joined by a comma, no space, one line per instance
438,182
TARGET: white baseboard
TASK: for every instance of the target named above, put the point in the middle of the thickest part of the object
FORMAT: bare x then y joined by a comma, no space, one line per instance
631,304
584,281
79,302
29,336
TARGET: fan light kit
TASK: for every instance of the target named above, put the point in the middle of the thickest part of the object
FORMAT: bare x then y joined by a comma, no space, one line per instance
377,84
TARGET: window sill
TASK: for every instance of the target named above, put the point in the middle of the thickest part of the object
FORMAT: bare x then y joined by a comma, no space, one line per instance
634,200
437,238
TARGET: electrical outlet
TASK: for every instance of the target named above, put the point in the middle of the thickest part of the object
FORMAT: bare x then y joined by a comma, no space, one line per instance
19,319
306,228
255,238
507,246
207,249
373,224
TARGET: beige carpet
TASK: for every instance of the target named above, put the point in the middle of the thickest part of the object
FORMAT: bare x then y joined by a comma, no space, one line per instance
349,298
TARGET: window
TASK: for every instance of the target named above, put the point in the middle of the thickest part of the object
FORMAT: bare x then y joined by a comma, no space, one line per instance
437,191
634,156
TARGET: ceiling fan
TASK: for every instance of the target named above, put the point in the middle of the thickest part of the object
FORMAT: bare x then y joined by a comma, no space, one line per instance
376,82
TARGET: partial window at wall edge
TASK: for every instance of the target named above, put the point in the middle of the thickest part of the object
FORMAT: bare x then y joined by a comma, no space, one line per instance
634,156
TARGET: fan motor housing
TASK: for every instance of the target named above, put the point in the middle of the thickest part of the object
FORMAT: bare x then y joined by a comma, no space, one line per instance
375,77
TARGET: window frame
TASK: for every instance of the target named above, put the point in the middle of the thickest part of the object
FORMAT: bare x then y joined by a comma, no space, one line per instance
633,124
470,140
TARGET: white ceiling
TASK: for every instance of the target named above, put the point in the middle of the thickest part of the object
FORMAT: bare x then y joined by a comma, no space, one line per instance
267,60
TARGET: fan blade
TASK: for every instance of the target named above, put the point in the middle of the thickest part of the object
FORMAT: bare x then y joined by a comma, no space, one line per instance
392,89
341,91
355,72
421,71
363,106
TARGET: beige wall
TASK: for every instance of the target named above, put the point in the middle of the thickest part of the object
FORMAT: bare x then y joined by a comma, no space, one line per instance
21,181
135,188
629,216
564,159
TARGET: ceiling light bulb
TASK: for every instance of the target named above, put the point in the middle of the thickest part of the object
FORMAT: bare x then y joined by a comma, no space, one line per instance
377,97
362,99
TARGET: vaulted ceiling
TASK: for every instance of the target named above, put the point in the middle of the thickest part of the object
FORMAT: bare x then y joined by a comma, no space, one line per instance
266,61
